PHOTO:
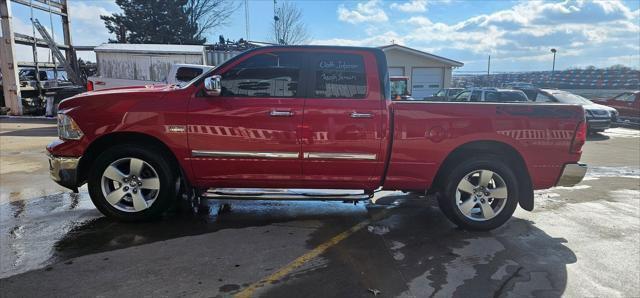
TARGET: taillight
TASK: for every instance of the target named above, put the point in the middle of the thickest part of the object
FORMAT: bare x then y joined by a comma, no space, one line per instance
579,138
89,86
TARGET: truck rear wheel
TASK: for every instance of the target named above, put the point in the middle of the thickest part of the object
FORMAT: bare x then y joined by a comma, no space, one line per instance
480,193
131,183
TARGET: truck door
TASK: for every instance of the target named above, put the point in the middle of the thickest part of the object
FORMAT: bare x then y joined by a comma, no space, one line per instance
248,136
342,126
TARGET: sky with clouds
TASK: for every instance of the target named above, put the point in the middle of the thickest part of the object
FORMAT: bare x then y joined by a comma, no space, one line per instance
517,34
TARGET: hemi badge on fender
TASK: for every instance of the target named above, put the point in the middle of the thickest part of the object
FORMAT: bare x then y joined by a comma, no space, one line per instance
175,128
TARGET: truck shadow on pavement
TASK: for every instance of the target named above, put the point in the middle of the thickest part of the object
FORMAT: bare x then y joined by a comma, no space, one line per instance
597,137
416,252
412,251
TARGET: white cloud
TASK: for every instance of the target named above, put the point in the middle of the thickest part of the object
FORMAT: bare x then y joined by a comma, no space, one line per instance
369,11
413,6
600,32
86,13
373,40
87,27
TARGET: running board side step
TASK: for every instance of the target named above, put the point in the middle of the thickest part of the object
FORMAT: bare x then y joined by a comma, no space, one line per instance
286,194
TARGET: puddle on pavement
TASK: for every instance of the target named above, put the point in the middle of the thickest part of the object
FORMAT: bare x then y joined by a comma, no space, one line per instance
48,229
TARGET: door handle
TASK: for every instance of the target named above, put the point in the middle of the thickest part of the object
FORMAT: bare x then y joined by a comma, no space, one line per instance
361,115
275,113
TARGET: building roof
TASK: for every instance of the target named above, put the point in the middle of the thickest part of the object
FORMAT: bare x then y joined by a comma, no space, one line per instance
423,54
149,48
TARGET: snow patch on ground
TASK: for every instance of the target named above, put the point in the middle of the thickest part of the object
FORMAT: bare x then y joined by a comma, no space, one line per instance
614,172
620,132
582,186
623,194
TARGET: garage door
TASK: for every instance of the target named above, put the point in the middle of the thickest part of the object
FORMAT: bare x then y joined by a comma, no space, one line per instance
396,71
425,81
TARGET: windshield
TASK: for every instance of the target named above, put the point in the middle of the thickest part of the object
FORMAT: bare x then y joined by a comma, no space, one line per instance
566,97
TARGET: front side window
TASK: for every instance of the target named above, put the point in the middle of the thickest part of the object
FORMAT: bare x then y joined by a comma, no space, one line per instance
475,96
339,76
274,74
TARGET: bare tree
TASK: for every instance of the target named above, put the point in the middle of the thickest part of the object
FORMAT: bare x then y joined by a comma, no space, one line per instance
209,14
288,27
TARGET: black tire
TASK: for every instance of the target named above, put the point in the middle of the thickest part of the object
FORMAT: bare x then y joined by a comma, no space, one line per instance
448,202
166,174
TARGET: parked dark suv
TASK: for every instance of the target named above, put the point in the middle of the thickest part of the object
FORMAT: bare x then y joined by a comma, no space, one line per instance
599,117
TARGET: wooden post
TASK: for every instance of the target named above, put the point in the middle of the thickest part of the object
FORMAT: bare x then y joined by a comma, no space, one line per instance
9,66
66,32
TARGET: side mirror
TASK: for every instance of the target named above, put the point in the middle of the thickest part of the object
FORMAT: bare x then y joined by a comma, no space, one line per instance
212,85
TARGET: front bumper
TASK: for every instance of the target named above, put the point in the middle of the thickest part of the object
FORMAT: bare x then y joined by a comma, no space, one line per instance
572,174
64,170
598,124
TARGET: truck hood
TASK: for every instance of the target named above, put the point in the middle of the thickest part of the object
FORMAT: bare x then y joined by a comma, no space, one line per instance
116,95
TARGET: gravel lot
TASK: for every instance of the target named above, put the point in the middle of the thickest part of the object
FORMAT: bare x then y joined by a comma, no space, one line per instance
579,241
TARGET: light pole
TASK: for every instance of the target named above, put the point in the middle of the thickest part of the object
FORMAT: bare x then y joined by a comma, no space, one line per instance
553,66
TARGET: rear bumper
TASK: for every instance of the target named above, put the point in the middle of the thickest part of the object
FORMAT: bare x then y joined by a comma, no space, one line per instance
572,174
64,170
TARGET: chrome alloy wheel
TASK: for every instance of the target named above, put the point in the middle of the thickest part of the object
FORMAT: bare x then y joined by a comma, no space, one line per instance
481,195
130,184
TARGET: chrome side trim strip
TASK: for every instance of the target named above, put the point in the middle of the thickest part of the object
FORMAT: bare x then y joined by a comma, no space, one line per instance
328,155
243,154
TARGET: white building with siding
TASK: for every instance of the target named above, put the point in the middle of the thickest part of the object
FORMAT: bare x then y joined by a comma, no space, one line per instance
426,73
144,62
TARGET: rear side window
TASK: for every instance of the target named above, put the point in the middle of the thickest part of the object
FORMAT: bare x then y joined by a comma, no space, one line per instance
491,96
274,74
543,98
339,76
511,96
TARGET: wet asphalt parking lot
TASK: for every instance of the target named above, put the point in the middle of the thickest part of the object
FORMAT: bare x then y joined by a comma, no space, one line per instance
578,242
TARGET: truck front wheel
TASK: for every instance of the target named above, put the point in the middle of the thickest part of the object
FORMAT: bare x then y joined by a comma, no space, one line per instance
480,193
132,183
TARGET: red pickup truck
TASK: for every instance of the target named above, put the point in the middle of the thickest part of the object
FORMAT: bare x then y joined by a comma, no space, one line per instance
311,117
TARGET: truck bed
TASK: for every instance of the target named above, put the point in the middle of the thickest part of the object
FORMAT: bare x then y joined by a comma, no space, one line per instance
424,133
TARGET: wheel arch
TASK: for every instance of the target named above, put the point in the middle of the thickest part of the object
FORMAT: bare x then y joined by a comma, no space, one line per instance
135,138
525,196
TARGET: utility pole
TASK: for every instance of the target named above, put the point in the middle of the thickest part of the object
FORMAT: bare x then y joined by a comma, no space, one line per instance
9,66
275,21
246,19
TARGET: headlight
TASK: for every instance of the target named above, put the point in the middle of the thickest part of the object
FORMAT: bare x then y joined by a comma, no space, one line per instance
587,114
68,129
